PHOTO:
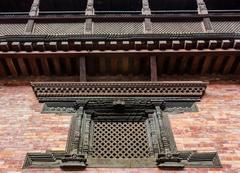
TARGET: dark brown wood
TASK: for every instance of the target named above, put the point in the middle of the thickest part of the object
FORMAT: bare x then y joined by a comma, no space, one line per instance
195,64
183,66
114,65
16,46
206,64
188,44
125,64
171,64
102,65
11,67
212,44
45,66
136,65
229,64
22,66
2,71
200,44
28,46
226,44
68,66
153,67
160,64
82,66
33,66
237,71
4,46
217,64
57,66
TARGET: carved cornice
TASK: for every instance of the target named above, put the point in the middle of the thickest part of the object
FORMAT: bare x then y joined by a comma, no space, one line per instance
45,90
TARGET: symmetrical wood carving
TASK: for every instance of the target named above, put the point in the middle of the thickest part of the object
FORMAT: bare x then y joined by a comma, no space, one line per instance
98,110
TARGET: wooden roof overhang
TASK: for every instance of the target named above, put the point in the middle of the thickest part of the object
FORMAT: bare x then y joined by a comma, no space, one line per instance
152,43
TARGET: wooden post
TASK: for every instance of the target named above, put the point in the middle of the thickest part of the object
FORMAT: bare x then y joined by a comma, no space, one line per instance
82,66
153,66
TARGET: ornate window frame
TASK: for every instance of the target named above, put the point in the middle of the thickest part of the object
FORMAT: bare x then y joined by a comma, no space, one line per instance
121,101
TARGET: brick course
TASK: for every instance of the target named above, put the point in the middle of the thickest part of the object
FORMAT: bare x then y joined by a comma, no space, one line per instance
216,127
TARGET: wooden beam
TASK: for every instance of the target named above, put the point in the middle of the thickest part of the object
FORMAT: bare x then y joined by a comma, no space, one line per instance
225,44
163,45
16,46
11,67
188,44
153,68
136,65
2,71
200,44
212,44
29,27
57,66
125,64
176,44
195,64
53,46
45,66
68,66
237,71
114,65
228,64
160,64
22,66
82,65
183,64
28,46
236,44
171,64
217,64
206,64
33,66
88,26
40,46
102,65
147,26
4,46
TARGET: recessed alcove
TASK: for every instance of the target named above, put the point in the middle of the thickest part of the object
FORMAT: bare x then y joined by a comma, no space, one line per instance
222,4
15,6
63,5
118,6
173,5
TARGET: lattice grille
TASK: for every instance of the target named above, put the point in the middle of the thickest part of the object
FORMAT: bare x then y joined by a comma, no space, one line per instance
118,28
59,28
228,26
176,27
120,140
12,29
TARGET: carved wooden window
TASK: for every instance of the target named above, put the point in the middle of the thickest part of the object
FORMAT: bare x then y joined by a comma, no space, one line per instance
120,125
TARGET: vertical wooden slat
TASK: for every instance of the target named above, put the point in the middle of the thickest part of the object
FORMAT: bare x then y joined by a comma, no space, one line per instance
171,64
68,66
153,68
57,66
136,65
82,65
229,64
217,64
45,66
11,67
237,71
195,64
33,66
160,64
102,65
22,66
2,71
183,64
206,64
114,62
125,64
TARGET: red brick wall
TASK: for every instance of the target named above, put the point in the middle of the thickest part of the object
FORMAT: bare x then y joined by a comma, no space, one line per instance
216,127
